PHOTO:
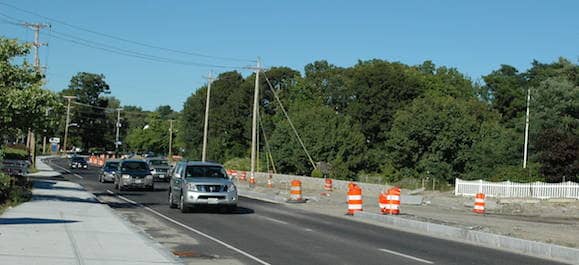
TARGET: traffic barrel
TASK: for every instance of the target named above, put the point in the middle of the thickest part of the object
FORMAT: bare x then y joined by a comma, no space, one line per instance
383,202
354,198
328,184
270,181
243,176
479,203
393,198
296,192
251,181
234,174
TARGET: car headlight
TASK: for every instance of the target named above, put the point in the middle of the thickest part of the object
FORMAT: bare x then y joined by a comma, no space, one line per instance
231,187
192,187
125,176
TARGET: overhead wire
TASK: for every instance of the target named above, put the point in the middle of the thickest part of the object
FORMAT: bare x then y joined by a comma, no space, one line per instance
127,40
289,120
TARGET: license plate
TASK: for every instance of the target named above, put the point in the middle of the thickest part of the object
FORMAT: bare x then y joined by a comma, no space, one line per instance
138,181
212,200
162,176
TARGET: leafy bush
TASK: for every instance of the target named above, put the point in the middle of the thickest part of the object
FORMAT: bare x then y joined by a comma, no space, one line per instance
238,164
518,174
11,153
317,173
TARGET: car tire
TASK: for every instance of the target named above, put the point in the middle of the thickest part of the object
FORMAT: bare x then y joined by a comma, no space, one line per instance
182,206
172,204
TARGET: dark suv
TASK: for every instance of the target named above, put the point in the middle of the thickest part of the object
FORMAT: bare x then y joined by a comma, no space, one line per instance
78,162
133,174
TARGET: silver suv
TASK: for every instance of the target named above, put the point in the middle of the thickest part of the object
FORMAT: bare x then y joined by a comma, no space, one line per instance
201,184
159,168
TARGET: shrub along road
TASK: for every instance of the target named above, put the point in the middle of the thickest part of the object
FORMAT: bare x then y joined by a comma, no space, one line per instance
264,233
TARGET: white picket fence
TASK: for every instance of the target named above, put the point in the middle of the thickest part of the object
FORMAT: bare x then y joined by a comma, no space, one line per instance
507,189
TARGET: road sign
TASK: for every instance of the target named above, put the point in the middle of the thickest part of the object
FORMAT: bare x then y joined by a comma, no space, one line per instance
54,140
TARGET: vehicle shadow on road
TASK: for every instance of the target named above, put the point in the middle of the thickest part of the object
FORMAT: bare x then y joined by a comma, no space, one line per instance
236,211
28,221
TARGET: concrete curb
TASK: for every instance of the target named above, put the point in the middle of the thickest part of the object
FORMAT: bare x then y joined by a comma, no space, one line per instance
260,196
528,247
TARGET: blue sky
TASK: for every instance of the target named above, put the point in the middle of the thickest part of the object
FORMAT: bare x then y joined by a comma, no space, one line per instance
473,36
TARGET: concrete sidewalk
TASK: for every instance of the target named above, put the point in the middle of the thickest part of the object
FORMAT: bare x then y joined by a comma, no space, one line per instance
64,224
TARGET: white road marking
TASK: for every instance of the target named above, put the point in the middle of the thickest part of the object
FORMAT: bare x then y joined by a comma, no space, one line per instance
194,230
406,256
276,221
309,230
68,171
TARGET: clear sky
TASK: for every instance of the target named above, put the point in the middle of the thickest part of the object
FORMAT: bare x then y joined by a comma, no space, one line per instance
473,36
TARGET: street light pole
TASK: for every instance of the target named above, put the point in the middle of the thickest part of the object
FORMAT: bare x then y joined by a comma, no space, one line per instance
205,127
527,128
170,155
69,98
118,127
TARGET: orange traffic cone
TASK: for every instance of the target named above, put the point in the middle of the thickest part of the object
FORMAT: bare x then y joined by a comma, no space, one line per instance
479,203
354,199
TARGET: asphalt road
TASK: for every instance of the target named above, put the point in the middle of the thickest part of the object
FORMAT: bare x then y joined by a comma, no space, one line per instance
264,233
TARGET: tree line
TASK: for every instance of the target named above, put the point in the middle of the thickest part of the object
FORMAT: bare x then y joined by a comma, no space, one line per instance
397,121
377,118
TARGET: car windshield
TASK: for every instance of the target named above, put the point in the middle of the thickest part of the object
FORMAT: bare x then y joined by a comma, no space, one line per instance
205,172
134,166
159,162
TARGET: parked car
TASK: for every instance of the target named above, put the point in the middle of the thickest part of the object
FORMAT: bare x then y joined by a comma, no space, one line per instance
159,168
78,162
196,184
133,174
108,171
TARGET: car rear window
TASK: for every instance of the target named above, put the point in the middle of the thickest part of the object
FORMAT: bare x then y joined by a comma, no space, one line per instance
205,172
77,159
134,166
159,162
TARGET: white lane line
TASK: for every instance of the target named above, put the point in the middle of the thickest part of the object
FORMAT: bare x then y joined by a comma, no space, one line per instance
194,230
67,171
406,256
275,220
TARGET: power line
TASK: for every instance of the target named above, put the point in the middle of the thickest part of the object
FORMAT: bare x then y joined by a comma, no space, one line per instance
127,40
130,53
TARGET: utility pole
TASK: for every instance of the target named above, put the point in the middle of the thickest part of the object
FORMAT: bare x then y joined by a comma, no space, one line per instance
118,127
69,98
527,128
170,155
36,27
254,122
210,79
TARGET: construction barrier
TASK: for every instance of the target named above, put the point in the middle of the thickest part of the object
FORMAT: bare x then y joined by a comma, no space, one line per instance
296,192
479,203
383,202
328,184
270,181
251,181
354,198
393,198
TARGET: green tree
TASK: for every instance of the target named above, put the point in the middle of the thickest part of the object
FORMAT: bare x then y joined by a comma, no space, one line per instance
90,114
506,90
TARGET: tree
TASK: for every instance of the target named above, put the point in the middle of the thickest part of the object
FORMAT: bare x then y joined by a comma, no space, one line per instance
506,89
23,103
90,114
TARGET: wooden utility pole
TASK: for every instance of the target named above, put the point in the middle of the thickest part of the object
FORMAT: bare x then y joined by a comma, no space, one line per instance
37,44
210,79
170,154
254,121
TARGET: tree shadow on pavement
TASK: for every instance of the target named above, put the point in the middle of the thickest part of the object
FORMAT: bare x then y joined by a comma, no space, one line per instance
49,185
25,221
63,198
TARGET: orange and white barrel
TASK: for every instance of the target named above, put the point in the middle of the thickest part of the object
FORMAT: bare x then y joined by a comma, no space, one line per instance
269,182
234,174
296,191
394,199
328,185
354,199
243,176
251,181
479,203
383,202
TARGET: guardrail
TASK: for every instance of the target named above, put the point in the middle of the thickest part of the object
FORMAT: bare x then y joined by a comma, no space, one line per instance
508,189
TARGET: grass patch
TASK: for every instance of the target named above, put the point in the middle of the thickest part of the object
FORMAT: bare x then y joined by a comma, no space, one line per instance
13,191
